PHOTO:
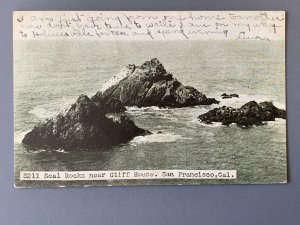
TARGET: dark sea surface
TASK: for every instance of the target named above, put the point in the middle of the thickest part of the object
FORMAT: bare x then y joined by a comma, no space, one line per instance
50,75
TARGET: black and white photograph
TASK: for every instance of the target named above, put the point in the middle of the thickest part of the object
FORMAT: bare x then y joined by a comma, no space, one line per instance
149,91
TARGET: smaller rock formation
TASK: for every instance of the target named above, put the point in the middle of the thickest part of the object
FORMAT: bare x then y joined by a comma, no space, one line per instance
224,96
249,114
84,126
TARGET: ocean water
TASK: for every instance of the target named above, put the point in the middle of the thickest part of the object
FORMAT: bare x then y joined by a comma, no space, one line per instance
50,75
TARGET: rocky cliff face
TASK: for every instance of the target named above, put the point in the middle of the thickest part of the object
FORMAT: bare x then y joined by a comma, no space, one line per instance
249,114
107,105
151,85
83,126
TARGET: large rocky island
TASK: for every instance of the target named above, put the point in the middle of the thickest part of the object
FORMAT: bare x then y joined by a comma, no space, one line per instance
151,85
85,125
248,115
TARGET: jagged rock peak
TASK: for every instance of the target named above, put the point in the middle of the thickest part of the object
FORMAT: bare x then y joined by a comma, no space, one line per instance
154,65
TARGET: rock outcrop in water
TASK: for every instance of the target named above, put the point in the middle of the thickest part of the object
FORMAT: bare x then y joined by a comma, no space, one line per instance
224,96
151,85
249,114
84,126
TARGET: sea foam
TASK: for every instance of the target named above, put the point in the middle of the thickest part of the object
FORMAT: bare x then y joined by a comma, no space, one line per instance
164,137
19,136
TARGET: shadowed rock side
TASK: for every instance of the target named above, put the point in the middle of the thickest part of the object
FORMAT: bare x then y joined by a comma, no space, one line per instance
249,114
151,85
107,105
83,126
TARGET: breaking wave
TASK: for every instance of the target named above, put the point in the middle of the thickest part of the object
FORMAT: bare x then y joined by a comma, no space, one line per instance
163,137
277,122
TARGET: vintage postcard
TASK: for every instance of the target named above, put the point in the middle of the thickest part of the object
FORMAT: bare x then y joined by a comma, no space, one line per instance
149,98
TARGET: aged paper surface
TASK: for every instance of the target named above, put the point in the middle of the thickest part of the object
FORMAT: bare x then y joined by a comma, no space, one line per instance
137,98
150,25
